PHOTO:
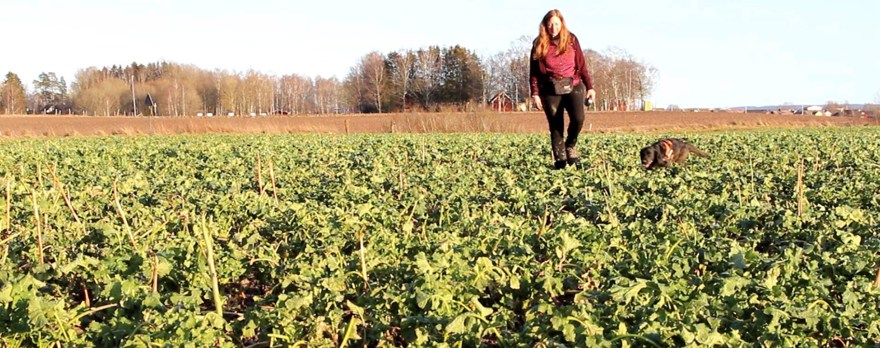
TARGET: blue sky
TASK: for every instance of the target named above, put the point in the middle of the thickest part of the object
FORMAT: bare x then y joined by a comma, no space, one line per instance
708,53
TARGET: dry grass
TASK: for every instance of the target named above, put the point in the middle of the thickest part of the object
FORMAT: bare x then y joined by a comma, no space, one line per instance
478,122
66,126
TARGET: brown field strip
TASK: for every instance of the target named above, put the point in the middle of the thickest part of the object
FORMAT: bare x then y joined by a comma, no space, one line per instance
60,126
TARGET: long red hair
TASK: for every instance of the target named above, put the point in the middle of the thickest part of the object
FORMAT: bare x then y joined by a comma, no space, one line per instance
542,42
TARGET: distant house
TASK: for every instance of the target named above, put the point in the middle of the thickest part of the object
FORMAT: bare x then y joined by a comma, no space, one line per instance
501,102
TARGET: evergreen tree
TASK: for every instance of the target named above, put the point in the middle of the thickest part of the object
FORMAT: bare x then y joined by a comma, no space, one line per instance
50,92
462,75
12,95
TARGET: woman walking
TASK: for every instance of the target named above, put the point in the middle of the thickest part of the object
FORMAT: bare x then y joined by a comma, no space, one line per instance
560,82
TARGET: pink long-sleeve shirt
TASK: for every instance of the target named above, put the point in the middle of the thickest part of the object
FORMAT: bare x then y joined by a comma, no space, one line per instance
570,64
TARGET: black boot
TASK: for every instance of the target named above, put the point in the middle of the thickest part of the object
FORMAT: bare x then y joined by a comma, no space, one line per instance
559,157
572,156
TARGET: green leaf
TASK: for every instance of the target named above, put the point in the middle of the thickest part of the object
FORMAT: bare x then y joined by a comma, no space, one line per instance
514,282
626,294
483,311
422,263
568,331
738,261
732,285
687,336
422,299
772,276
407,226
457,325
355,309
552,286
6,294
569,243
153,300
249,329
708,337
163,267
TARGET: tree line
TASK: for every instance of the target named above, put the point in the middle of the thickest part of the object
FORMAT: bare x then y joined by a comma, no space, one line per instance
426,79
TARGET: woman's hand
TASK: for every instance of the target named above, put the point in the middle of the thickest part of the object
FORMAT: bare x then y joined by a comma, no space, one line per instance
536,100
591,94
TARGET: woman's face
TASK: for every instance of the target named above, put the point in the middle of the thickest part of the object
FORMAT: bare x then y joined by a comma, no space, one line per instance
554,26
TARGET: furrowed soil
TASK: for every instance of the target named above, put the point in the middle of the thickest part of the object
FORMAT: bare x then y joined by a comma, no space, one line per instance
52,126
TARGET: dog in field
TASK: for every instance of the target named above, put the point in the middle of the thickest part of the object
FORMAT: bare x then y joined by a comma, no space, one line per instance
666,152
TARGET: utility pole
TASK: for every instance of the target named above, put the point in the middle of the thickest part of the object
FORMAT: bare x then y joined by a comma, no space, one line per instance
516,91
133,100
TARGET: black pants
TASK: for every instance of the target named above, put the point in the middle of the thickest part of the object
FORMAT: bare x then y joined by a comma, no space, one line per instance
554,108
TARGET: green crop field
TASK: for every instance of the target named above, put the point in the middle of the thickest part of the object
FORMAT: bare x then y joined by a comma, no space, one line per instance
427,240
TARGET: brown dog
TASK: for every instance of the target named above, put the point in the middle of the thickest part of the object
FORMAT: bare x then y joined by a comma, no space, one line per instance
666,152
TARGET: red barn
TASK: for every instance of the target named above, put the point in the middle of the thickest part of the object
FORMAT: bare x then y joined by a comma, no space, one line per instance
501,102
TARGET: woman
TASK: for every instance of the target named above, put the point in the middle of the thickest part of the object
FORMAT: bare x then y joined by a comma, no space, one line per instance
560,81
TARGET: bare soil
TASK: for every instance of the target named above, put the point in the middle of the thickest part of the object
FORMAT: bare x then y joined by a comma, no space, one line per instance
59,126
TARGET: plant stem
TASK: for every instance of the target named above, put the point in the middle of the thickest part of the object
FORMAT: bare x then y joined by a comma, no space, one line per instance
39,225
93,311
64,194
61,327
209,249
8,233
259,170
86,297
608,181
154,279
39,175
8,205
122,216
543,224
10,237
877,278
363,260
349,331
801,198
272,178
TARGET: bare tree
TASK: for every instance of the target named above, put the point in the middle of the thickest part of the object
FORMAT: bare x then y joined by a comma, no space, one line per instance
206,93
620,81
365,82
833,106
297,90
402,72
177,90
645,77
518,54
428,74
326,96
495,77
509,70
261,86
875,108
376,83
373,68
106,98
228,92
355,90
600,71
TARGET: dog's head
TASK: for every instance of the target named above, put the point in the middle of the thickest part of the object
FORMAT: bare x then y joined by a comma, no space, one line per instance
649,155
